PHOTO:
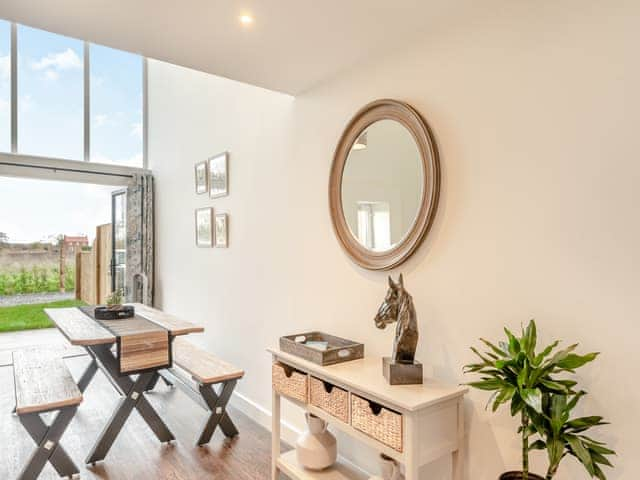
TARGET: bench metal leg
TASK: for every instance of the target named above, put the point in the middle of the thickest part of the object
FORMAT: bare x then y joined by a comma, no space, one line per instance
153,383
218,406
166,381
49,449
88,375
134,398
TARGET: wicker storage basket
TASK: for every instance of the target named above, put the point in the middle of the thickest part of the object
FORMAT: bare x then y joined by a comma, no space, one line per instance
378,422
289,382
329,398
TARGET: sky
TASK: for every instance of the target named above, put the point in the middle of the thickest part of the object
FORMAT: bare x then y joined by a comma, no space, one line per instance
33,210
50,124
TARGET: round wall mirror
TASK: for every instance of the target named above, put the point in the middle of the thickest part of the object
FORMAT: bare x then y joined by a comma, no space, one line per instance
384,184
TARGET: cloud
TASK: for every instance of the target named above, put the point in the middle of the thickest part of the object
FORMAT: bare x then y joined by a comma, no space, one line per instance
4,105
100,119
66,60
5,67
136,129
51,75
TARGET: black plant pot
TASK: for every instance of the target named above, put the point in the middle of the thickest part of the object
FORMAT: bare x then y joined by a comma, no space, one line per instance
518,476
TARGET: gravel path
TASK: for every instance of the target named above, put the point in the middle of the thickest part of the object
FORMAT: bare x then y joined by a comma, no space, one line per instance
29,298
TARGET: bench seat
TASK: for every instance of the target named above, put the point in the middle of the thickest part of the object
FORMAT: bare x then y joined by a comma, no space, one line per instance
203,366
43,382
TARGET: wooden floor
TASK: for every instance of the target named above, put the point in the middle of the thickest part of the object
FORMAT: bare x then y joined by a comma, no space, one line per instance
137,454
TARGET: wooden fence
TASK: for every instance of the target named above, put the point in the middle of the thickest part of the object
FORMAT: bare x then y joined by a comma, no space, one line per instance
93,273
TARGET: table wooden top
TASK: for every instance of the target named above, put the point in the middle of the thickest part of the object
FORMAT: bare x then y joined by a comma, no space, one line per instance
364,377
42,381
175,325
80,329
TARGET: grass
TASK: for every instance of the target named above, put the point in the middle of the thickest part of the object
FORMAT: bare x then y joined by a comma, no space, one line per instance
29,317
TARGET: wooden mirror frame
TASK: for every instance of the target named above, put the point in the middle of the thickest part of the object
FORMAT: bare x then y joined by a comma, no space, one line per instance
406,115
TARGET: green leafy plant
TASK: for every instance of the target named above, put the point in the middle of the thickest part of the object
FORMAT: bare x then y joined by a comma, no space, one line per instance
115,299
37,279
562,435
520,376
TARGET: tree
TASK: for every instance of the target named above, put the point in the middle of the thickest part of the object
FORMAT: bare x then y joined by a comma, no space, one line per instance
4,238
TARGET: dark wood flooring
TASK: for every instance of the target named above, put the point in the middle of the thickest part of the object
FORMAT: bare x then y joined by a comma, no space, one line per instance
137,454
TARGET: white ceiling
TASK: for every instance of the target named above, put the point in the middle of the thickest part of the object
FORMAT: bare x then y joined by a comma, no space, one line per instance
291,46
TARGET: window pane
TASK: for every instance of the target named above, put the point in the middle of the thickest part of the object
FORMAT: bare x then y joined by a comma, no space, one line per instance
50,94
116,106
5,86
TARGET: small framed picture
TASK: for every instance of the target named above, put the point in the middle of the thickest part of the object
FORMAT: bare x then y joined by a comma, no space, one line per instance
218,176
202,179
221,230
204,227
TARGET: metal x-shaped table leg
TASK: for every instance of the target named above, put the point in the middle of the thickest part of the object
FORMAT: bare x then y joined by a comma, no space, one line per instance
133,398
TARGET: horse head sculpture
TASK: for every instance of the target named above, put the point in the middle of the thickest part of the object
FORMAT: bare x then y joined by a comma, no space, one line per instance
398,307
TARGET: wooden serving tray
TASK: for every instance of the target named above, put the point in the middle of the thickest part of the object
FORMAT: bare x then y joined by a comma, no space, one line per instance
339,349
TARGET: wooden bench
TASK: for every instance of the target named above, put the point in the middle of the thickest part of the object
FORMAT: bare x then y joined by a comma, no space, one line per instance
43,383
206,370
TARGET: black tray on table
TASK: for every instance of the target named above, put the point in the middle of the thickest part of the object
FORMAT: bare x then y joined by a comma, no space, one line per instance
119,313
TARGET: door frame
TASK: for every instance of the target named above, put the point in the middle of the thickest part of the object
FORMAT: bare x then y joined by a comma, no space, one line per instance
112,267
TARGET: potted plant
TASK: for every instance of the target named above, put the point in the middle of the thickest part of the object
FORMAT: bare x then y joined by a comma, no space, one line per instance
114,309
562,435
519,376
114,301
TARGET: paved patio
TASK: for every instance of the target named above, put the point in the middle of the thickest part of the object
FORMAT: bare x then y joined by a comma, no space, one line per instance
32,298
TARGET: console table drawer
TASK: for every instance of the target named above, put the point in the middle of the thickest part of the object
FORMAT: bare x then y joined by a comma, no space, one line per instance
289,382
378,422
328,397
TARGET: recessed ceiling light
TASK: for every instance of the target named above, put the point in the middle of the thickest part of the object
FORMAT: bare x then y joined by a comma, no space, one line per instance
246,19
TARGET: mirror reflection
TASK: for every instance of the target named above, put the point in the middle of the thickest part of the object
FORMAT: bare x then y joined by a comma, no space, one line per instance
382,185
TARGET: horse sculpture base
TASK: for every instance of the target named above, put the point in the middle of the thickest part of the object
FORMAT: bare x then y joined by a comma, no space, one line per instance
401,373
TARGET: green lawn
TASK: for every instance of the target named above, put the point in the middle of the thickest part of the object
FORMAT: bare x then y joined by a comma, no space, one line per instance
28,317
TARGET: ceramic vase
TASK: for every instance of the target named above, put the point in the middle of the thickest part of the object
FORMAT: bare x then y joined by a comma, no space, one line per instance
389,469
316,448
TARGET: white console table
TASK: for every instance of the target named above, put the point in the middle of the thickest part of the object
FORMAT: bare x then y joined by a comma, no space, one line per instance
432,418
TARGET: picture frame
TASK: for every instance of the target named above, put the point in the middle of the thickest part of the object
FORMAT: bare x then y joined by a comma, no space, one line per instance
202,177
204,227
221,230
218,175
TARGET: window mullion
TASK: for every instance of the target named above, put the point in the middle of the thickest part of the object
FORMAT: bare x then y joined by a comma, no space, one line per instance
14,87
87,103
145,113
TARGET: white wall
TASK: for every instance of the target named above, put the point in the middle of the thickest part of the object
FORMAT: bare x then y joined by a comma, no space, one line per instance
535,107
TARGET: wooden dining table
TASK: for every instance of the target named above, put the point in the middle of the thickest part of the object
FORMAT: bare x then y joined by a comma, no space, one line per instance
81,329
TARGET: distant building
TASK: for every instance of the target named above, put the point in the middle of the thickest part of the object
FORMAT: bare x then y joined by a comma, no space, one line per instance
75,242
